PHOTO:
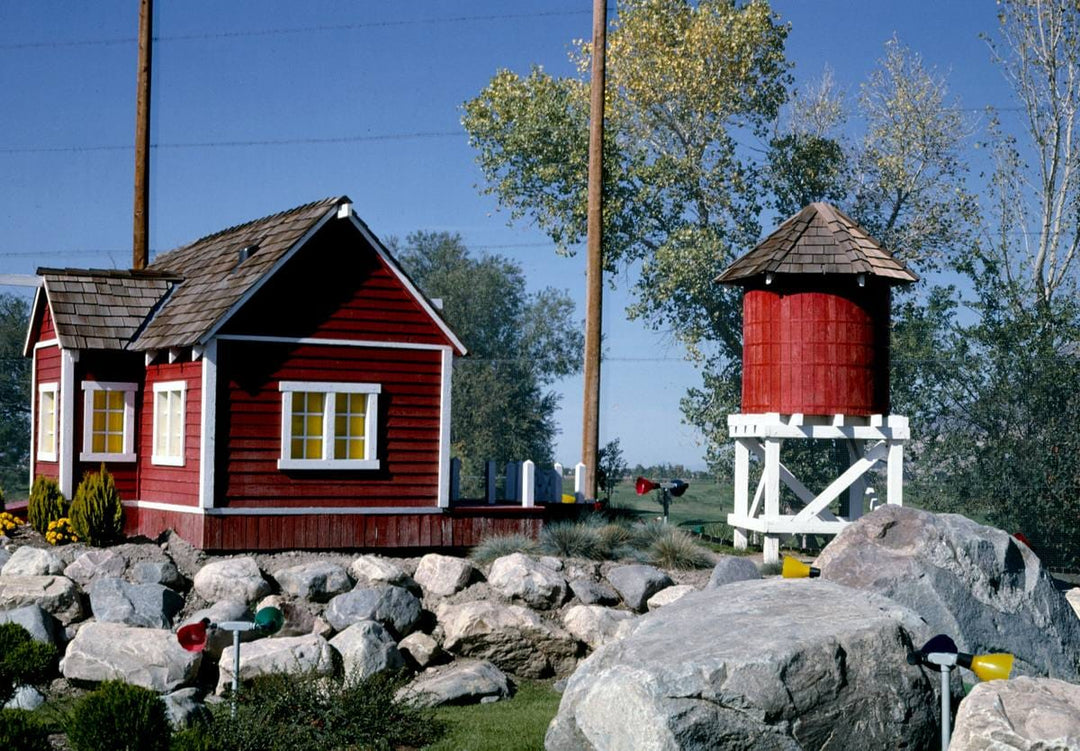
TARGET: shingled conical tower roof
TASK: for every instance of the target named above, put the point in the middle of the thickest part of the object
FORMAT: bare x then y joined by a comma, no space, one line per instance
820,239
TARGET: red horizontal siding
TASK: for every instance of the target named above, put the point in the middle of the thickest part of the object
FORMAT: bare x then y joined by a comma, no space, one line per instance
122,367
46,370
165,483
249,425
337,287
46,330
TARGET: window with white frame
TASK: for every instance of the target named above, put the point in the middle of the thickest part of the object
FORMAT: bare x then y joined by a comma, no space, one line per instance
108,421
47,421
329,425
168,445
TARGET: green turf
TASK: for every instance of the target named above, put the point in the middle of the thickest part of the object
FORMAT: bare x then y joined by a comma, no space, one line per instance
517,724
705,502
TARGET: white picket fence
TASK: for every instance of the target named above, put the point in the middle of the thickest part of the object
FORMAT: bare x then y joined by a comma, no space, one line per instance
525,484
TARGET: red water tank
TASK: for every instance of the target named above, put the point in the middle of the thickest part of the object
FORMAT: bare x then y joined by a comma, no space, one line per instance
816,317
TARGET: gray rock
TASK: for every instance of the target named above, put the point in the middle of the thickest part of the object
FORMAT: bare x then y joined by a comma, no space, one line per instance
57,595
156,572
553,563
1031,714
596,625
513,637
146,605
183,707
637,583
1073,598
395,608
420,649
5,556
26,697
519,577
732,568
95,564
443,575
317,581
975,583
293,655
41,625
231,579
147,657
668,595
366,648
463,682
30,561
732,669
372,570
592,592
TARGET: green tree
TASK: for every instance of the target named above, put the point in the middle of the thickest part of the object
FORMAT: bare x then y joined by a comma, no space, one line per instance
14,394
612,468
519,344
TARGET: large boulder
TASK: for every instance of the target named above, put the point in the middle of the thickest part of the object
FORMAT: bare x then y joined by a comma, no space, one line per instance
775,665
463,682
395,608
732,568
636,583
29,561
668,595
156,572
40,625
596,625
1025,713
443,575
513,637
317,581
57,595
519,577
147,605
231,579
975,583
592,592
373,570
420,649
294,655
95,564
1073,598
366,648
151,658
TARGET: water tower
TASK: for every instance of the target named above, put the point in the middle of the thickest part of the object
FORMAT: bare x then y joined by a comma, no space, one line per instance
816,306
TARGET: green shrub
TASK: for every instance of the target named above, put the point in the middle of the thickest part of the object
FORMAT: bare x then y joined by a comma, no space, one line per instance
313,713
46,503
647,533
20,731
571,540
23,661
614,539
676,549
496,546
120,717
97,516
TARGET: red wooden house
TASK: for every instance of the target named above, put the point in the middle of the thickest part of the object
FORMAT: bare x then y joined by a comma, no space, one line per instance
279,384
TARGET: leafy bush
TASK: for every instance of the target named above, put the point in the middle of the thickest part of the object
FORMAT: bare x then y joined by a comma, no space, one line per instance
46,503
120,717
571,540
20,731
496,546
60,532
22,660
677,549
313,713
97,516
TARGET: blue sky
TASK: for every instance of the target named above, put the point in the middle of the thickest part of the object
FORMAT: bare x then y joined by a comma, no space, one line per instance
260,106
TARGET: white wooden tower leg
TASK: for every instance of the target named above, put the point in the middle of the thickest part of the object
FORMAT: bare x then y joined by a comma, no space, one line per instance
742,490
771,544
857,492
894,486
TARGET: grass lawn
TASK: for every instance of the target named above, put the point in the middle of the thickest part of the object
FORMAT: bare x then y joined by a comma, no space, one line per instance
705,502
517,724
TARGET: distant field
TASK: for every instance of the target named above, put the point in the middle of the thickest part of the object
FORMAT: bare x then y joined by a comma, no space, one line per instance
705,502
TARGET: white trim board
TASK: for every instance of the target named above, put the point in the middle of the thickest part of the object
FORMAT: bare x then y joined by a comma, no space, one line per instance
290,510
374,344
208,424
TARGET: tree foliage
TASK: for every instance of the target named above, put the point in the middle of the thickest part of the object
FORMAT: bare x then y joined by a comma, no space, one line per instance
519,344
14,394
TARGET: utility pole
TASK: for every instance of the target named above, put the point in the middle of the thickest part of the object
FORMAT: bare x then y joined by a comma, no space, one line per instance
594,265
141,236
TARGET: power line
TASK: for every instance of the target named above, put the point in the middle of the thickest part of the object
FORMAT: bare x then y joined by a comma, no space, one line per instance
290,30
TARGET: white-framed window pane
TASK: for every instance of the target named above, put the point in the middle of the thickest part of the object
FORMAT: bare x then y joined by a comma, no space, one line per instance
108,421
47,422
169,423
328,425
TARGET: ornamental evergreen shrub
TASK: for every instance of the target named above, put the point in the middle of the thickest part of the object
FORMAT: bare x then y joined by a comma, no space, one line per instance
119,717
23,661
20,731
46,503
97,516
497,546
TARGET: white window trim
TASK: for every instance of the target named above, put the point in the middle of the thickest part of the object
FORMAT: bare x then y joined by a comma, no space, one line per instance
54,389
166,460
129,389
371,420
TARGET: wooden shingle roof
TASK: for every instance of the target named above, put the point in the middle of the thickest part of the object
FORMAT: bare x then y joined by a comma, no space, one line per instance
820,239
102,308
216,278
